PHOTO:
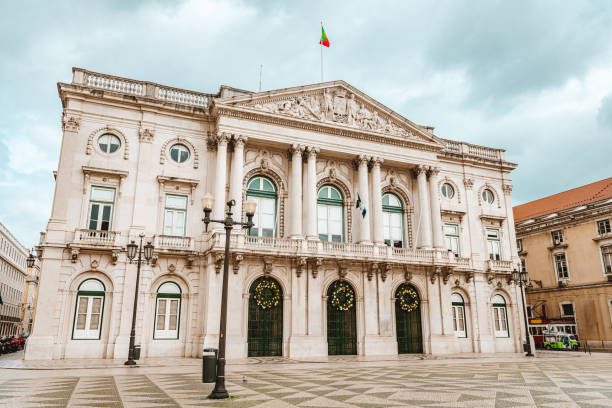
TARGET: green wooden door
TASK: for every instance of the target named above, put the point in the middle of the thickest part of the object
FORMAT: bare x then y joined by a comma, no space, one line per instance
341,319
265,335
408,320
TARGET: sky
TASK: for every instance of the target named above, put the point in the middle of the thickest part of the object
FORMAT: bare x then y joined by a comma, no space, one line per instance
533,78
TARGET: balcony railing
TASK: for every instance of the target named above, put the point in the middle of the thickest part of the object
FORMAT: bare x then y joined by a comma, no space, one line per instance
95,237
503,266
173,242
468,149
292,247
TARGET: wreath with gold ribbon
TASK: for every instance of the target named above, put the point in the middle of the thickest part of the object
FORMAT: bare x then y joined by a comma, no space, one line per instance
342,297
408,299
267,294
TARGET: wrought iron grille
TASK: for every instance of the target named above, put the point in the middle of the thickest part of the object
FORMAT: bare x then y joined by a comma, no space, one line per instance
265,332
408,324
341,325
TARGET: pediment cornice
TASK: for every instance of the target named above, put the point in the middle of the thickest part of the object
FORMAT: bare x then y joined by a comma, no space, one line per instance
333,107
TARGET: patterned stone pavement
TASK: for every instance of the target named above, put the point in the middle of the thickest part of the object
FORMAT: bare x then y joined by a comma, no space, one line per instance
543,382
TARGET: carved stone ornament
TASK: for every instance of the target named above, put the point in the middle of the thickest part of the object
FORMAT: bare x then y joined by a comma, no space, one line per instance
154,260
74,255
499,284
342,271
447,273
316,264
146,135
189,261
407,273
94,264
218,262
236,259
267,269
372,270
71,123
457,282
337,106
469,276
468,183
490,277
507,189
114,257
299,267
171,268
384,271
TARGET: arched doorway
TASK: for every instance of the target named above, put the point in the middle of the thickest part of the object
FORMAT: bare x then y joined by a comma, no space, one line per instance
341,319
408,320
265,332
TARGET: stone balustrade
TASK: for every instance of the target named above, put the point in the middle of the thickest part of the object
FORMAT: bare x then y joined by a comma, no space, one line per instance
95,237
335,250
139,88
173,243
500,266
471,150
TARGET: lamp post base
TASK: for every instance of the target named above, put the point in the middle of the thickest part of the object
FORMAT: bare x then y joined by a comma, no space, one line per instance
218,394
130,363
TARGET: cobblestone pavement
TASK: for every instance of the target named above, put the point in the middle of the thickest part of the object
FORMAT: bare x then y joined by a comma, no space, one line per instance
557,381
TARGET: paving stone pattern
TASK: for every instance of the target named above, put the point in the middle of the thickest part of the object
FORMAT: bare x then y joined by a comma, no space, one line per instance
561,383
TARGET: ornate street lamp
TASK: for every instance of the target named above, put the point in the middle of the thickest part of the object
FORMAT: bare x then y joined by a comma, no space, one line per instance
522,280
132,250
219,392
30,260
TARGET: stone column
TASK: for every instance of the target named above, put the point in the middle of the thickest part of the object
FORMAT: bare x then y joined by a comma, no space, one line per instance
362,168
311,194
220,178
236,176
377,201
424,222
436,217
295,192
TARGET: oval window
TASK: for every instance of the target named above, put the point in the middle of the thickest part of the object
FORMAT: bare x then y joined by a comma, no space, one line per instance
448,191
109,143
488,196
179,153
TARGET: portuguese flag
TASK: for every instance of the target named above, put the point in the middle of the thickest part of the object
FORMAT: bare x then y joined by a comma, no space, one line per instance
324,41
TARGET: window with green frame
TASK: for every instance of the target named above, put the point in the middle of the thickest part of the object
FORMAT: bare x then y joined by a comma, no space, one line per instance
330,214
167,311
262,190
393,220
88,310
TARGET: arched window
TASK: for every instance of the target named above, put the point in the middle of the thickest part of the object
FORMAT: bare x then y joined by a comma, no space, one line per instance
109,143
448,191
167,311
179,153
89,310
263,190
330,214
500,316
458,315
393,220
488,196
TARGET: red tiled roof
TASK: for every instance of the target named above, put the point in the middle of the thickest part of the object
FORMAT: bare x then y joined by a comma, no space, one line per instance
600,190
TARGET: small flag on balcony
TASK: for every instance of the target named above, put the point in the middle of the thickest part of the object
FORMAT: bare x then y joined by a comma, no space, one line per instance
359,204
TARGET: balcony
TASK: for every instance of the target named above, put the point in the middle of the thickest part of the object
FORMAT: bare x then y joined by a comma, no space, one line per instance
95,238
173,243
335,250
496,265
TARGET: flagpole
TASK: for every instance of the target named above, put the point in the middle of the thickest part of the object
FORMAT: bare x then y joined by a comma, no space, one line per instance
321,45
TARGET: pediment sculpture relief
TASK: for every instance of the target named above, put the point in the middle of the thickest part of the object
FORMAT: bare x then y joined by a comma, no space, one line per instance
335,105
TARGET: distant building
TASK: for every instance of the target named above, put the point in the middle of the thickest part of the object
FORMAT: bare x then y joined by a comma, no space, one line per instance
565,242
12,282
372,235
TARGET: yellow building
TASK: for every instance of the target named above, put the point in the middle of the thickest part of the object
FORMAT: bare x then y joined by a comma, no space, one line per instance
565,243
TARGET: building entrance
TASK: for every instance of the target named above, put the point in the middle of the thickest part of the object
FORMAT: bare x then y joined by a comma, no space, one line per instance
408,320
265,331
341,319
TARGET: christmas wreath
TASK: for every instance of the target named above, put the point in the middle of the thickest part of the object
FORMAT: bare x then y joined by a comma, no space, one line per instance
342,297
408,299
267,294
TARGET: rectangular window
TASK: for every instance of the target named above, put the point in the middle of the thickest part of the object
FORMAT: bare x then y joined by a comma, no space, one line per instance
557,237
101,208
493,244
567,309
519,245
88,317
459,321
451,236
501,323
175,214
166,322
523,264
603,227
561,266
606,253
330,223
392,229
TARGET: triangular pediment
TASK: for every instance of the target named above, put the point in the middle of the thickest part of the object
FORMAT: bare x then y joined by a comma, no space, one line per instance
336,104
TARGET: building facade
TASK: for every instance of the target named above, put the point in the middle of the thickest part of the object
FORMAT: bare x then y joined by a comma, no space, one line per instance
565,242
372,235
12,282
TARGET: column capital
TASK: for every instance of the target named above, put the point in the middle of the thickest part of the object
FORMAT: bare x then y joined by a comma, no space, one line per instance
221,138
419,169
377,161
296,150
433,171
312,151
361,160
240,140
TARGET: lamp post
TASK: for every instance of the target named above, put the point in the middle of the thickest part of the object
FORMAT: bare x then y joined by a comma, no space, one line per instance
132,249
522,280
219,392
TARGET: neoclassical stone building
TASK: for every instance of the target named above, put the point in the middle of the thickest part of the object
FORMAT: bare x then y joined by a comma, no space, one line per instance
372,235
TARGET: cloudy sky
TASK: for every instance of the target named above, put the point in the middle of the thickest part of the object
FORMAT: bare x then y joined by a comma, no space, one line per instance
534,78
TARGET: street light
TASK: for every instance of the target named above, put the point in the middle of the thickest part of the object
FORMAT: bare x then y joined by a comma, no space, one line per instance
522,280
219,392
30,259
132,250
